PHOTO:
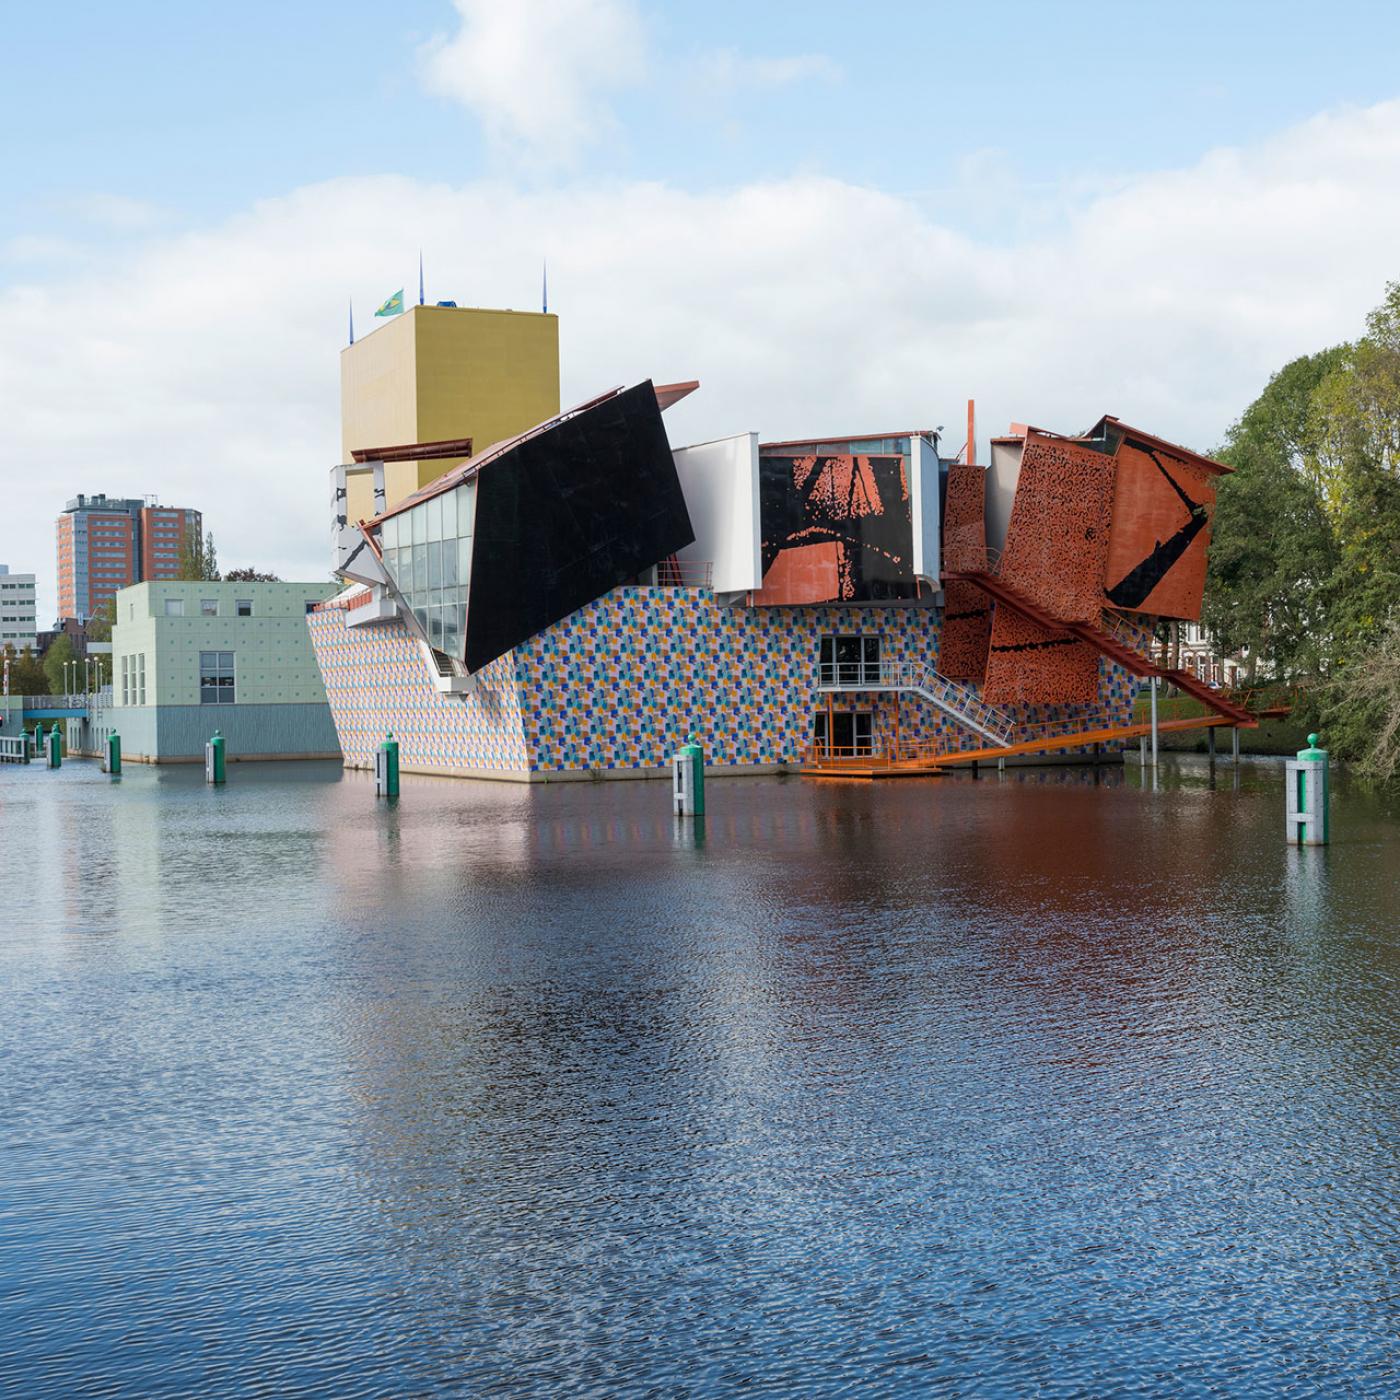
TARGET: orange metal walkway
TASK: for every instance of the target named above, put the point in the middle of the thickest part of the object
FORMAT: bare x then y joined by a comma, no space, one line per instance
878,766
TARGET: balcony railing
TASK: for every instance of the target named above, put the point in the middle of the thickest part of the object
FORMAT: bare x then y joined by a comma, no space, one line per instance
856,675
684,573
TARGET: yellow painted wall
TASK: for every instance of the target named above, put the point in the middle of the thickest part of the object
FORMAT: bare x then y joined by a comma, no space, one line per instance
445,372
359,494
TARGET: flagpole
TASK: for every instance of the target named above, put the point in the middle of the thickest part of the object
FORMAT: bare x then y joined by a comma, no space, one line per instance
544,287
420,277
352,320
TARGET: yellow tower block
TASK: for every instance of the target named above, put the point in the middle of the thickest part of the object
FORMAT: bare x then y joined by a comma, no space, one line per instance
442,372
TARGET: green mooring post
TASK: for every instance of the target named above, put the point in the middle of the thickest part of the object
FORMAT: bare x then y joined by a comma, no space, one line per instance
386,767
214,759
688,779
53,747
1307,819
114,755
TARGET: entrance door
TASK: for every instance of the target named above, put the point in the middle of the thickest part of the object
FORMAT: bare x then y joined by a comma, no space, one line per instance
852,734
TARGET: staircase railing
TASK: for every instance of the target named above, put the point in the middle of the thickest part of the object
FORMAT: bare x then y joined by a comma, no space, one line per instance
957,701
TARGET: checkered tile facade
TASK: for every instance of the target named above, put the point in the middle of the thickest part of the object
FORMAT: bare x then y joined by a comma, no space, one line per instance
621,683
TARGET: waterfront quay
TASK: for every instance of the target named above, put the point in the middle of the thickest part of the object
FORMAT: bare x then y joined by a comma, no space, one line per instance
1045,1083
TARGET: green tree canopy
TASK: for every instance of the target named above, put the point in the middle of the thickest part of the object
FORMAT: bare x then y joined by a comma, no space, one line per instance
60,652
198,558
26,673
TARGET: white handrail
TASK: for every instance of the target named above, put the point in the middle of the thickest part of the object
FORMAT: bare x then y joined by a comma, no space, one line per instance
957,701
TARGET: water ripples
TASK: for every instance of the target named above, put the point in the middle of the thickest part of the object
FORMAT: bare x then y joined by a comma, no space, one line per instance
969,1088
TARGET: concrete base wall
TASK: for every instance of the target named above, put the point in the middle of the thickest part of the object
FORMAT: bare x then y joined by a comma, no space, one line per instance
178,733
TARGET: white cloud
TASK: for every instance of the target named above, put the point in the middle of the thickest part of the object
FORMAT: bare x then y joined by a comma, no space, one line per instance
118,213
537,72
203,366
730,70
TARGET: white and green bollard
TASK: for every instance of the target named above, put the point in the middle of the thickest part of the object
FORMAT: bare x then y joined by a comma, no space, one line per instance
688,779
53,748
386,767
112,763
214,759
1307,817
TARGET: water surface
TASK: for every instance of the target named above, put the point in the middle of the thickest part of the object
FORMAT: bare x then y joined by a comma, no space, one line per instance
1054,1084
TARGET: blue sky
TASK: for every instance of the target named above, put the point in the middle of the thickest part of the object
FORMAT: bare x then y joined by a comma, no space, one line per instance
835,215
202,109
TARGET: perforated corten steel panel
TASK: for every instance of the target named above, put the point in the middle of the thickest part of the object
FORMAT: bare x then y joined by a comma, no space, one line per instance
1056,551
967,612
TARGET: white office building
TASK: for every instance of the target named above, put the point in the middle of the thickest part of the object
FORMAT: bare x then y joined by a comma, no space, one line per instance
17,625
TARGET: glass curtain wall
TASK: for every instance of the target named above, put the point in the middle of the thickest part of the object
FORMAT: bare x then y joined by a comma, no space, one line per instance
428,553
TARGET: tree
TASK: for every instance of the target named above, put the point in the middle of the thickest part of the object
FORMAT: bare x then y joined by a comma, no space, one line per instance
26,673
1363,705
249,576
59,653
100,624
1273,547
198,559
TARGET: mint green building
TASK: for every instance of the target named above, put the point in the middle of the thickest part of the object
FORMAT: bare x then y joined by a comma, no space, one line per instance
190,658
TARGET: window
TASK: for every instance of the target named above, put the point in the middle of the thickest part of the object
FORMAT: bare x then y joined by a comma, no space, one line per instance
174,607
216,678
850,662
141,678
244,607
208,607
126,683
311,604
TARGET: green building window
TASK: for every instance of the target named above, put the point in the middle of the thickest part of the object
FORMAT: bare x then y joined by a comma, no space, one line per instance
216,678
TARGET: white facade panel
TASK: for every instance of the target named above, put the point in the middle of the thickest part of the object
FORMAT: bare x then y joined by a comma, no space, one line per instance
924,508
720,482
1002,476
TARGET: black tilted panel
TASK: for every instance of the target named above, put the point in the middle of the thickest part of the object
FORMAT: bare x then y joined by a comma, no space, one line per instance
568,515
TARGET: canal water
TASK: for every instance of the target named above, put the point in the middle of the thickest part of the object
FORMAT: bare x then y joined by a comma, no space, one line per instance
1052,1084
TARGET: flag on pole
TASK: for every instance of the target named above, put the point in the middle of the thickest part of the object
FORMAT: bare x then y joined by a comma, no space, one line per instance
392,307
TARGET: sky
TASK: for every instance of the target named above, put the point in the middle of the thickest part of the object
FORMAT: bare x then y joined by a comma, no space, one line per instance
839,217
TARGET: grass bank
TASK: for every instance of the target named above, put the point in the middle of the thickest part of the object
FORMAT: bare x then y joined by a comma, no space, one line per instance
1274,736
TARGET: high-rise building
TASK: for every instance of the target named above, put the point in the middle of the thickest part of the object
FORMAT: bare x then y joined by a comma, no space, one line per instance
106,543
442,373
17,620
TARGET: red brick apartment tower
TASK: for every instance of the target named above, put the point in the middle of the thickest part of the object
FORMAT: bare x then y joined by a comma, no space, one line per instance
97,552
164,530
106,543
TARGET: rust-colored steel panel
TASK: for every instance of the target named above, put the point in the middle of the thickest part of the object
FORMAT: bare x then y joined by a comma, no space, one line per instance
1058,538
1030,666
967,611
802,574
1162,509
967,632
1056,550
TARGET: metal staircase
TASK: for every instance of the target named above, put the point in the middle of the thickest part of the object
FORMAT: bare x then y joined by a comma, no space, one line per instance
960,703
1113,636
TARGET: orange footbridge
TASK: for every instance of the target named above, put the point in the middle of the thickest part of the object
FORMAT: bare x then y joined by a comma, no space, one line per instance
827,763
